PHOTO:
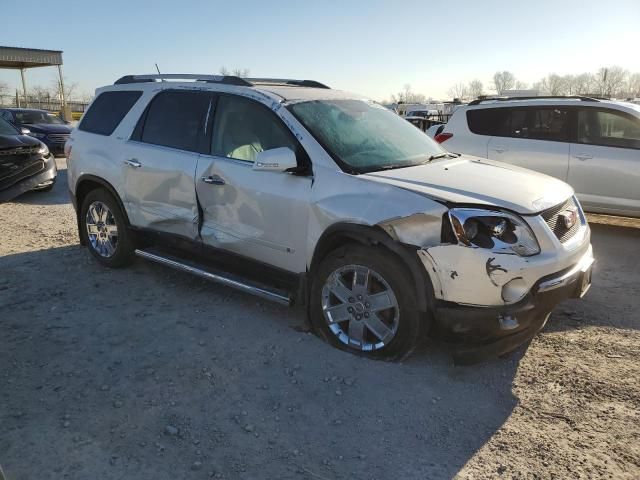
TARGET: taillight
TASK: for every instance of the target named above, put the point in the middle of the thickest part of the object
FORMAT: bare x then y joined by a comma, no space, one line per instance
443,137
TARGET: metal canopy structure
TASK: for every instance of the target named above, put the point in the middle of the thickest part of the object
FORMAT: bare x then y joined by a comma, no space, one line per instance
25,58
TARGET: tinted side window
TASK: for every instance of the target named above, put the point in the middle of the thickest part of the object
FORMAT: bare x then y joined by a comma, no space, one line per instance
244,128
176,119
608,128
547,124
488,121
107,111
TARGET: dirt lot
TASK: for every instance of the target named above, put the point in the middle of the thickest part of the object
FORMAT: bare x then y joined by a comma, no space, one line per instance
150,373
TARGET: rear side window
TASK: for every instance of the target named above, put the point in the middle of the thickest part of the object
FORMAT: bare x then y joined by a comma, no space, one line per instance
488,121
107,111
533,123
608,128
176,119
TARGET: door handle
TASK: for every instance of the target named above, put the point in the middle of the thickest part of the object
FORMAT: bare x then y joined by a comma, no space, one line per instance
213,180
500,149
133,162
583,156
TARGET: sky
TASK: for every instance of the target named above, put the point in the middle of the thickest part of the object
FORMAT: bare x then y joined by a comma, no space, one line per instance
372,47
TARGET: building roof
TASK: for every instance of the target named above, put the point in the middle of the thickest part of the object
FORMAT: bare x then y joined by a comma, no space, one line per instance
15,57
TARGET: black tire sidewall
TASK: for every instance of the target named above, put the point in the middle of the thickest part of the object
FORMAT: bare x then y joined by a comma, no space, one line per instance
395,274
124,250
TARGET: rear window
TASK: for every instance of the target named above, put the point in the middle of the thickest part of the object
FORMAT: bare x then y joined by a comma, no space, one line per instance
107,111
176,119
536,123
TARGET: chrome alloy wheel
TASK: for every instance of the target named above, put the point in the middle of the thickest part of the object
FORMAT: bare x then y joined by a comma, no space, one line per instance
102,229
360,308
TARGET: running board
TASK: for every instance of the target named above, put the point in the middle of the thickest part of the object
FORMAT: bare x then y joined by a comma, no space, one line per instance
217,277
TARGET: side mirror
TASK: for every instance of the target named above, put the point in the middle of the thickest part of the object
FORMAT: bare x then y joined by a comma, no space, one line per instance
276,160
25,131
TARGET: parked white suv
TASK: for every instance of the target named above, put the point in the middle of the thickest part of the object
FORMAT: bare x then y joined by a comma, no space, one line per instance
299,193
594,145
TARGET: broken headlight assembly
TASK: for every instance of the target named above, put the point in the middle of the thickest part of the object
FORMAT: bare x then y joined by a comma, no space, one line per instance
495,230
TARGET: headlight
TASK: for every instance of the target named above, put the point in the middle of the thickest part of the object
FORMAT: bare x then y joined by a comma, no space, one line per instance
43,150
498,231
37,135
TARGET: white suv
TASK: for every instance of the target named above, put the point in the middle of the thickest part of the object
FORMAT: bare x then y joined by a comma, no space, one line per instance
299,193
594,145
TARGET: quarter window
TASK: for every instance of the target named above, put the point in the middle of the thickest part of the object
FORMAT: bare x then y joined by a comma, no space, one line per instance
176,119
244,128
608,128
531,123
107,111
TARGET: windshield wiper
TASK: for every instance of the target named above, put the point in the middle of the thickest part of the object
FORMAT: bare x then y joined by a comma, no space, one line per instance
442,155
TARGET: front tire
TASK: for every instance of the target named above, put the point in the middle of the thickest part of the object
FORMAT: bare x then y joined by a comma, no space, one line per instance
362,301
104,229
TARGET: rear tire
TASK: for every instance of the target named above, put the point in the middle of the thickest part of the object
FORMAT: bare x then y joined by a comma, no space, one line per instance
104,229
363,301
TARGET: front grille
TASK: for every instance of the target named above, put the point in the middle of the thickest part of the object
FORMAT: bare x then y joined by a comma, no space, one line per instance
557,226
16,176
58,137
19,151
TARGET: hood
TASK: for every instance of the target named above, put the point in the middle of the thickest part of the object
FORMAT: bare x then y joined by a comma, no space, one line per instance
13,141
472,180
47,127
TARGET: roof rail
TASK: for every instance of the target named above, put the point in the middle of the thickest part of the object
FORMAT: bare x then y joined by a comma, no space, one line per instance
223,79
540,97
287,82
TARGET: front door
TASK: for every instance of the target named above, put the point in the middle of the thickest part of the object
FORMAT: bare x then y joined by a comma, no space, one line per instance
258,214
605,160
161,160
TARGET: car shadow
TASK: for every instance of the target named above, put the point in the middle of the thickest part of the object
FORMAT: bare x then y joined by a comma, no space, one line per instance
59,195
105,359
615,275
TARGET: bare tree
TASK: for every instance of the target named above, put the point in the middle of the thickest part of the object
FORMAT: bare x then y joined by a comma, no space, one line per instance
241,72
553,84
407,96
633,85
4,88
520,85
238,72
69,88
40,93
578,84
475,89
503,81
459,91
610,81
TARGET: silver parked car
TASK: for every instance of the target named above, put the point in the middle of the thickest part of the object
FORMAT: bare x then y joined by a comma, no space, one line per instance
594,145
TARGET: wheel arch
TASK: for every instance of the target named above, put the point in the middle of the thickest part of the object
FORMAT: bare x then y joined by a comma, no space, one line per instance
87,183
341,234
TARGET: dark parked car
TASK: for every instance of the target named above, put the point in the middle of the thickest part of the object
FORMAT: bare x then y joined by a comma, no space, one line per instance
25,163
46,127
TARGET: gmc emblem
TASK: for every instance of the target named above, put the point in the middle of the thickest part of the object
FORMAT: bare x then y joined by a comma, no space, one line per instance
569,217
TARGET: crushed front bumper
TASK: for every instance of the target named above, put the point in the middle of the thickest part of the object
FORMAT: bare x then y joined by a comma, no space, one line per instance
480,332
40,180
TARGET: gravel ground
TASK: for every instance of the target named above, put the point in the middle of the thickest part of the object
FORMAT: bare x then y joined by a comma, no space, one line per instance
150,373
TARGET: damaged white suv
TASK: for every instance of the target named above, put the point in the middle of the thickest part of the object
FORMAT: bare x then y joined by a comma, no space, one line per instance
299,193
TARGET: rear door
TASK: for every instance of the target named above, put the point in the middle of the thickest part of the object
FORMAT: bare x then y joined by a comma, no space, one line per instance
605,160
533,137
258,214
160,162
